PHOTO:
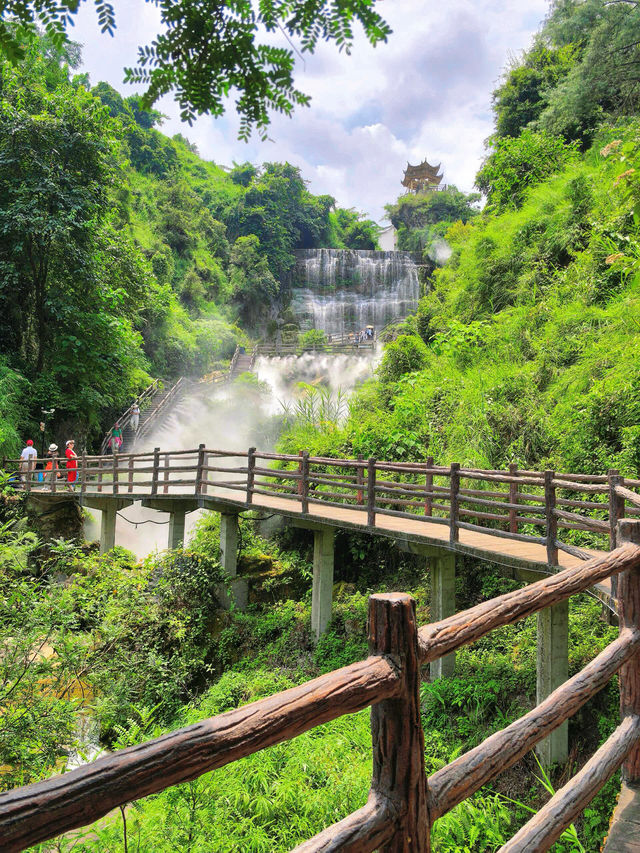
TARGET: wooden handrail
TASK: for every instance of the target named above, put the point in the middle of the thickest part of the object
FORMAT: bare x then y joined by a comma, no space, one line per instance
468,773
441,638
403,803
546,827
40,811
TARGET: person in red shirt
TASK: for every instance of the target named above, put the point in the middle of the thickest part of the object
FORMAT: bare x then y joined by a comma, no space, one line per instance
72,465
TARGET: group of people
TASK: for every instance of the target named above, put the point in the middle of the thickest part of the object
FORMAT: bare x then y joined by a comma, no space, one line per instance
116,438
29,463
37,471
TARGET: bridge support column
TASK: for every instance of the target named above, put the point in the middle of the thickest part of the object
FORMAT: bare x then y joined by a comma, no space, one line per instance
229,562
322,592
108,507
552,671
443,604
176,529
108,527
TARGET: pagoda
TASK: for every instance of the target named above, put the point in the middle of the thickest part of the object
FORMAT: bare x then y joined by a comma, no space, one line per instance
422,177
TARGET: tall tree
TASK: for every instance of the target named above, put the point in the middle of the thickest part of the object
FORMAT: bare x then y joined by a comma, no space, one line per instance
207,48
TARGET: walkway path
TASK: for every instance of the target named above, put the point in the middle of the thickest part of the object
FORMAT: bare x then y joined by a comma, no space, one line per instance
624,835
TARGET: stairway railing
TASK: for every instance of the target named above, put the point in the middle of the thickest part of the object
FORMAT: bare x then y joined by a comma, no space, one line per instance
175,391
403,803
142,400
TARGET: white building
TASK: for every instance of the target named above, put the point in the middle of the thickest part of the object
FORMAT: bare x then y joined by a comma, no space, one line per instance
388,239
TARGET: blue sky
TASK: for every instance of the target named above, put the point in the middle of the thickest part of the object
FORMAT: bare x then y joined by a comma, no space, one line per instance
427,92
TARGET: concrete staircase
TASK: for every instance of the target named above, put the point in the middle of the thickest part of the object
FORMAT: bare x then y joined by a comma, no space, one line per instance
243,363
128,436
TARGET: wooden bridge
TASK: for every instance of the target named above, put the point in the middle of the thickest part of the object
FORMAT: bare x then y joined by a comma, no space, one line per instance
533,522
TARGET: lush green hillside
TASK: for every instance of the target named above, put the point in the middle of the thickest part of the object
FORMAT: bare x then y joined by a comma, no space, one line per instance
124,254
525,350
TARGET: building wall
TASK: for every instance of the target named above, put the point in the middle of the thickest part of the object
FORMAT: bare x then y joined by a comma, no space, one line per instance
388,239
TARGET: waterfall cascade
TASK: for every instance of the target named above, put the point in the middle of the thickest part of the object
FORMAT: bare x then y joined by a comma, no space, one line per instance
344,290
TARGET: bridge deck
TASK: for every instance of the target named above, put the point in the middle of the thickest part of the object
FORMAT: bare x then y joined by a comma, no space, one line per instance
624,835
410,533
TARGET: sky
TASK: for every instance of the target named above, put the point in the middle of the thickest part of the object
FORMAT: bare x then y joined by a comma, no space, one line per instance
425,93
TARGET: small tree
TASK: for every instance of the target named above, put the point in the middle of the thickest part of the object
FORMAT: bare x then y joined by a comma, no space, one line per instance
406,354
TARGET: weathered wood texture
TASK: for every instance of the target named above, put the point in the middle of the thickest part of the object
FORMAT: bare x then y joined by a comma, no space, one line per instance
544,829
442,637
365,830
45,809
396,728
629,616
468,773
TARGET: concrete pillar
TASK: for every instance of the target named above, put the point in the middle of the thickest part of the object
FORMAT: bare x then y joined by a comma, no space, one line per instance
229,562
108,527
443,604
322,592
176,528
552,671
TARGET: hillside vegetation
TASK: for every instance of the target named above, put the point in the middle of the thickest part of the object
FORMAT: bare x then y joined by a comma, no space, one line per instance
124,255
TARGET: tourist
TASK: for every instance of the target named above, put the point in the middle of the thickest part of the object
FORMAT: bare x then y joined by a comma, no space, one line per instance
135,417
52,464
27,459
72,465
116,438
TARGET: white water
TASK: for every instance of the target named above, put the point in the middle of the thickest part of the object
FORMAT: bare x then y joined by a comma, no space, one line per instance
234,417
344,290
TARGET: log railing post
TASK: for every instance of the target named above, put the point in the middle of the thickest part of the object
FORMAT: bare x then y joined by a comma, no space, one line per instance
513,499
251,473
54,472
130,483
100,474
550,518
114,486
156,471
629,617
300,453
29,477
165,476
454,497
616,512
371,492
201,474
616,506
83,472
304,482
360,481
428,487
396,728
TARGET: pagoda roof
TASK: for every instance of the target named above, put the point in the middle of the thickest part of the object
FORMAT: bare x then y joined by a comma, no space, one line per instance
422,170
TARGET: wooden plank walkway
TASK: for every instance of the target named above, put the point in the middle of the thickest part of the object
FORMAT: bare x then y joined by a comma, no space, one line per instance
528,556
624,834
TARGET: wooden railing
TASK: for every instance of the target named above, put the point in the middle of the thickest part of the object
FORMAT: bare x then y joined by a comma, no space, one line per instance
403,803
142,400
521,505
341,347
151,419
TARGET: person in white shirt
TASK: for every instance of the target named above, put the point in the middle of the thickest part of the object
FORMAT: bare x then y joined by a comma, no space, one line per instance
135,417
27,460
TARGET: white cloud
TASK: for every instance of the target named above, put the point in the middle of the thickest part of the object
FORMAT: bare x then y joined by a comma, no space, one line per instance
427,92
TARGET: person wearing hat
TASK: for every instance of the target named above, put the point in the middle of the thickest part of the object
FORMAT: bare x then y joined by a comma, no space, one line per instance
27,459
53,461
72,464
